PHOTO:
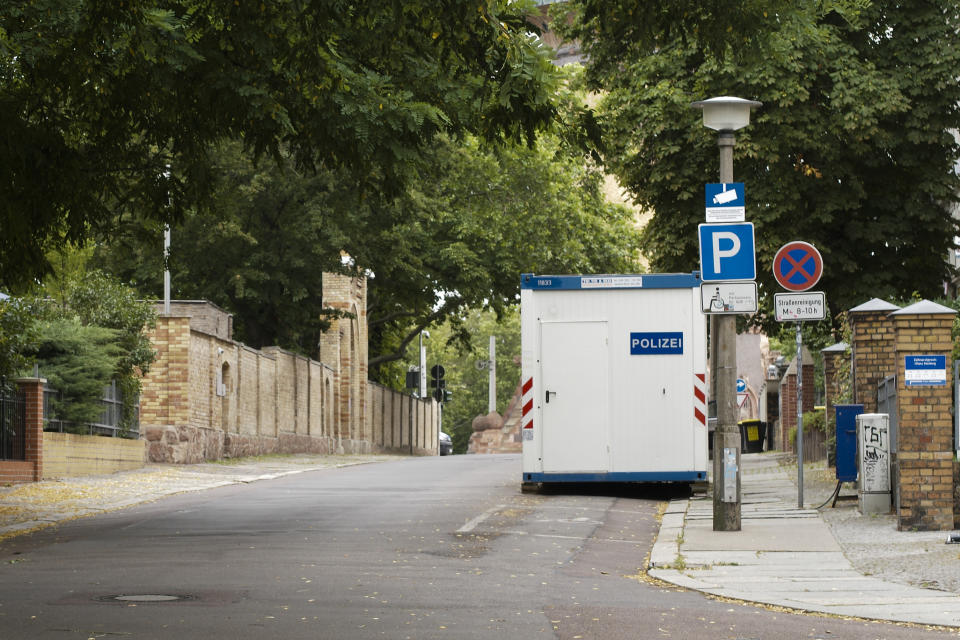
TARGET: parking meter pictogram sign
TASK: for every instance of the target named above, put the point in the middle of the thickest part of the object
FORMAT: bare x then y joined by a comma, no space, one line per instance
797,266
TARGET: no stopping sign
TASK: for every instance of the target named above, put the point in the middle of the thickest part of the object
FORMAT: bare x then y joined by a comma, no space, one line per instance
797,266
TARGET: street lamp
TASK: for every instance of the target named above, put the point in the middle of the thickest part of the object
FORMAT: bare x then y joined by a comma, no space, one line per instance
422,388
726,115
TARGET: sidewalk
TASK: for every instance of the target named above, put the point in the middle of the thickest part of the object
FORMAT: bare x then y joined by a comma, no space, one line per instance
837,562
29,507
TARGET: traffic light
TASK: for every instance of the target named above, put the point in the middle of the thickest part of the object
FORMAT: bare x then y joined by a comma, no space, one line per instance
436,377
438,384
413,379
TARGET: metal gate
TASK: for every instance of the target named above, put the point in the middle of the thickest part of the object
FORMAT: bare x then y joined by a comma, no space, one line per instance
13,418
887,403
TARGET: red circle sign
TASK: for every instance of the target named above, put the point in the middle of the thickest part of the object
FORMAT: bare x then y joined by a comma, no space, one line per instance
797,266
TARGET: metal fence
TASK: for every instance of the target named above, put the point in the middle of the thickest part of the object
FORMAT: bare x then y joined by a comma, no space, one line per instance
887,403
13,420
107,425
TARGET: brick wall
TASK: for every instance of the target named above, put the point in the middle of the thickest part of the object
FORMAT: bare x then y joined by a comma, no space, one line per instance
788,398
30,469
924,467
400,423
344,348
208,397
872,349
204,316
67,454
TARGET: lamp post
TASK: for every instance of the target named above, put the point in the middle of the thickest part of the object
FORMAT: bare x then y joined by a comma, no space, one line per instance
726,115
422,388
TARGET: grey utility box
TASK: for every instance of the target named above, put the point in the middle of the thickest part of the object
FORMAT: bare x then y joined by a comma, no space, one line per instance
873,460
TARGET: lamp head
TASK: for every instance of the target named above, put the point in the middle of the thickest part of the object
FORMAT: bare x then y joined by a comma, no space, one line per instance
726,113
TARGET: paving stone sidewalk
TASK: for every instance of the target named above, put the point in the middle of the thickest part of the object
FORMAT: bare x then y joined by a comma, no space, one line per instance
29,507
833,561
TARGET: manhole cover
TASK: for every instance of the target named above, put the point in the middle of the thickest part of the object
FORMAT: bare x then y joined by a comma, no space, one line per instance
146,597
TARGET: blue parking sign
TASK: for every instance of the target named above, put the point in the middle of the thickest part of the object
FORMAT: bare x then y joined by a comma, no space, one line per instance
727,252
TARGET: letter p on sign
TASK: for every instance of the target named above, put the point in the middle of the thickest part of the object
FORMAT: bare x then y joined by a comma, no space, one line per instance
727,252
719,253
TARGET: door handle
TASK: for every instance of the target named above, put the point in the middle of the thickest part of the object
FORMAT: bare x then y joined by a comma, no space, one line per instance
548,395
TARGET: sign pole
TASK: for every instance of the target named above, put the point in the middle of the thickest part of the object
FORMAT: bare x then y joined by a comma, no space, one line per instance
799,417
492,379
726,439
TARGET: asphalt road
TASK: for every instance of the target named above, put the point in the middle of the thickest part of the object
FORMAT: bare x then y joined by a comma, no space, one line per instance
421,548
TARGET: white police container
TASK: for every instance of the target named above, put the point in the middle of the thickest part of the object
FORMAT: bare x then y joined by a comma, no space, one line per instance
613,378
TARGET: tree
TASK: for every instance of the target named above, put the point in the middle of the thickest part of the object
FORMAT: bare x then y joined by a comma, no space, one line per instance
468,383
17,333
112,107
478,218
78,361
474,218
91,332
851,151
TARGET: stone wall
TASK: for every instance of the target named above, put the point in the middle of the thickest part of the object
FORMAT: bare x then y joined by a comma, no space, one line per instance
207,397
204,316
495,434
401,423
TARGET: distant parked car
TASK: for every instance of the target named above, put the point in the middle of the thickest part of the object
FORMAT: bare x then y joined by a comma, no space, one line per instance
446,444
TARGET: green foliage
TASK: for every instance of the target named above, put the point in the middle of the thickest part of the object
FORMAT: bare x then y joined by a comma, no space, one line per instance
468,383
99,99
459,236
851,151
90,306
812,421
476,219
844,372
608,28
17,333
815,420
78,361
259,254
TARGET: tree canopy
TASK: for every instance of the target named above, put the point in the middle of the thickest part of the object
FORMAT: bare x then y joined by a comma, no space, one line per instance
108,107
853,150
89,330
470,221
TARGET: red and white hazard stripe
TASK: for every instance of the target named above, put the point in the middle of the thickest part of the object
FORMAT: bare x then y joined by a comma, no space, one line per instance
526,417
700,398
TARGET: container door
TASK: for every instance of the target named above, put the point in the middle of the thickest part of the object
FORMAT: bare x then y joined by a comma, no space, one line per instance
575,433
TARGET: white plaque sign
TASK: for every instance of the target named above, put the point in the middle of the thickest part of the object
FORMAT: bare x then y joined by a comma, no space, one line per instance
728,297
796,307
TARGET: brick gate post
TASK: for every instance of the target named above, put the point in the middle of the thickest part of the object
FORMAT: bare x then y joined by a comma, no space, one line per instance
872,349
33,424
923,471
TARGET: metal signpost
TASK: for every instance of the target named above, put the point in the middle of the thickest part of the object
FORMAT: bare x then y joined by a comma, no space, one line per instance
728,251
797,266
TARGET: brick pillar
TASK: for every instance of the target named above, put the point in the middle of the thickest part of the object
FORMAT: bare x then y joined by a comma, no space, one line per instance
833,357
872,349
788,397
165,396
32,389
923,471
